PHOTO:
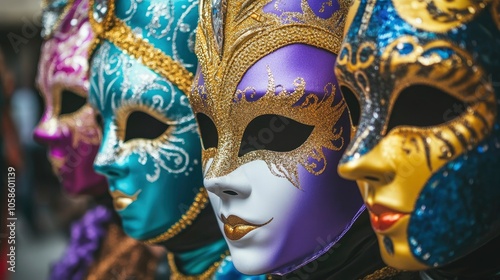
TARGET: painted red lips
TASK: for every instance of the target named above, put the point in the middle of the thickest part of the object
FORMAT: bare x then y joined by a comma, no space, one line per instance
383,218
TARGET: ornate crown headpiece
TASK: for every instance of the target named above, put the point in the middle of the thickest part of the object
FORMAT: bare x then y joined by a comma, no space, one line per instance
233,35
231,38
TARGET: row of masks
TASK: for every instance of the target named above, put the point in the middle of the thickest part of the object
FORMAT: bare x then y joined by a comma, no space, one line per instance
312,115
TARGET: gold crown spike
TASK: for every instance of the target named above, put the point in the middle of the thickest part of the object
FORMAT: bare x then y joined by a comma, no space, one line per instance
233,35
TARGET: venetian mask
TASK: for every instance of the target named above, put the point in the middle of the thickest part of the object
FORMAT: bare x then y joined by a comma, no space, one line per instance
426,151
68,125
141,69
274,125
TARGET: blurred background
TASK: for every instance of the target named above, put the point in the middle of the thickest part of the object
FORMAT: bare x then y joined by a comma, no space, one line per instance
43,211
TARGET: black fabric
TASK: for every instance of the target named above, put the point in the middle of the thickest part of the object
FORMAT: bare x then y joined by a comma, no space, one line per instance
354,257
482,264
203,231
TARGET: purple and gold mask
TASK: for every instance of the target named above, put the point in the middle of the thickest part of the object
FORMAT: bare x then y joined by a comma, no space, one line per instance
68,125
427,149
274,126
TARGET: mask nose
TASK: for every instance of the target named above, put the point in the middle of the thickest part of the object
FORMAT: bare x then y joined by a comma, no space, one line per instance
48,132
372,168
107,160
233,185
111,169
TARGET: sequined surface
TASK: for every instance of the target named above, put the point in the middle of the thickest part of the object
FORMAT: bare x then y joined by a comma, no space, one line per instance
440,179
54,11
73,137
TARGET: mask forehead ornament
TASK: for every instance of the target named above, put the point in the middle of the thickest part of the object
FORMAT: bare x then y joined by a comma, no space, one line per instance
432,173
226,56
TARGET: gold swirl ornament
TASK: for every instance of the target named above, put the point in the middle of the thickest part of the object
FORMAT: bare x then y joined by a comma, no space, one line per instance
438,15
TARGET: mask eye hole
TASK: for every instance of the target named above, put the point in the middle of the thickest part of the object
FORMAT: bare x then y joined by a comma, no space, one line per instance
352,103
99,121
208,131
141,125
424,106
71,102
274,133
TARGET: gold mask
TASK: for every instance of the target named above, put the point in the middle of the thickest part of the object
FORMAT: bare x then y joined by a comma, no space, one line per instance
428,109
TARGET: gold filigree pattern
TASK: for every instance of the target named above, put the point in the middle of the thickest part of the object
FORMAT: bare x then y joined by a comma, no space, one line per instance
79,124
356,64
123,112
118,33
444,66
439,64
250,33
383,273
199,203
438,15
313,110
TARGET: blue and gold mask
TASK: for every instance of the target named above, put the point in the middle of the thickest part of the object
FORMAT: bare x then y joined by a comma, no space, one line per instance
427,149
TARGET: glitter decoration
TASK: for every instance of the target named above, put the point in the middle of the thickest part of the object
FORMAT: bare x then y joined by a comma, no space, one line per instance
218,12
443,175
140,63
281,29
63,69
53,13
100,10
454,219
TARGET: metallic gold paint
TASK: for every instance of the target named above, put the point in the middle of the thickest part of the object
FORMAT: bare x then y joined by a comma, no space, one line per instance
439,15
393,167
243,38
314,110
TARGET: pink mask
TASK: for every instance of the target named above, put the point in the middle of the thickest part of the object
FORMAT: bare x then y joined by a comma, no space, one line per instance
68,127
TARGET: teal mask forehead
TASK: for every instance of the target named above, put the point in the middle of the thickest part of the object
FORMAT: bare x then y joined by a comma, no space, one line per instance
167,25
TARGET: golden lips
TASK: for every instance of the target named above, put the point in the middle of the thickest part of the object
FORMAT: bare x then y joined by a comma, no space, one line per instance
122,200
235,227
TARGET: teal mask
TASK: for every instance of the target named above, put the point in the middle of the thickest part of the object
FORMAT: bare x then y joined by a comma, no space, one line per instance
150,152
